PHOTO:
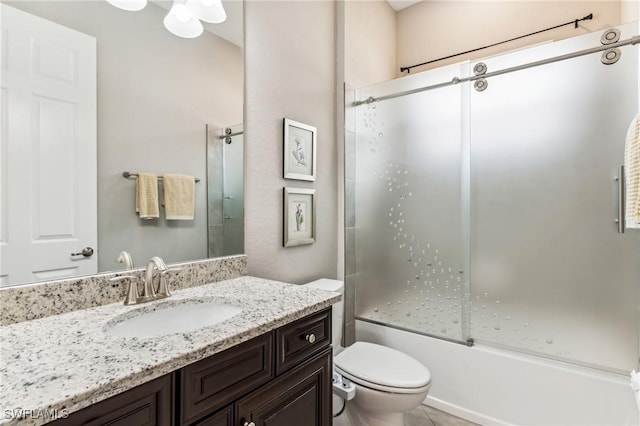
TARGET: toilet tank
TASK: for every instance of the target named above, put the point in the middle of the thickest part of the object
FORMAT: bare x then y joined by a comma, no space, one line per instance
337,310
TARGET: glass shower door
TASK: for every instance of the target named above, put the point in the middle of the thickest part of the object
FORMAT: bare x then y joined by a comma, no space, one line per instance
549,272
410,218
233,192
225,191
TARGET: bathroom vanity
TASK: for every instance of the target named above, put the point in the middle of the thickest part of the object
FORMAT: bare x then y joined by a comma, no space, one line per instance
270,364
279,378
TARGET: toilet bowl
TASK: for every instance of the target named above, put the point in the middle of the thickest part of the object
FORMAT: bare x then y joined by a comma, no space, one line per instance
387,382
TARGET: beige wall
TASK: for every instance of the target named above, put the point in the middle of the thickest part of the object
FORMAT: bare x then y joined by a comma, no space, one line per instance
434,29
630,10
156,92
290,67
370,42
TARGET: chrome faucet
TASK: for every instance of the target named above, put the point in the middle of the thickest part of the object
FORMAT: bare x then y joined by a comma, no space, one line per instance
150,291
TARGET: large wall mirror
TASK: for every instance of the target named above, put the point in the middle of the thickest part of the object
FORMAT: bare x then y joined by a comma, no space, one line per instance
161,104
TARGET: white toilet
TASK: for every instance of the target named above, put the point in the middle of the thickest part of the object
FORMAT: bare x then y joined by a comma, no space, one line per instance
387,382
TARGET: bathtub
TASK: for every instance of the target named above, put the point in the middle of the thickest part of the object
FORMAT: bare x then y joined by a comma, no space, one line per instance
488,385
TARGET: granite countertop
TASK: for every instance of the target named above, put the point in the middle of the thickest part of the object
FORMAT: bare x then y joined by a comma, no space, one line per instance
68,362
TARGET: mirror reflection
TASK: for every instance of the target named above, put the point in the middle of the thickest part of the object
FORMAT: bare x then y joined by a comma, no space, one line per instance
90,91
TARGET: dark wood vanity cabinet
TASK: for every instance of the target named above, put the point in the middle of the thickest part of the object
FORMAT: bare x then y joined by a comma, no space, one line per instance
222,417
214,382
300,397
149,404
280,378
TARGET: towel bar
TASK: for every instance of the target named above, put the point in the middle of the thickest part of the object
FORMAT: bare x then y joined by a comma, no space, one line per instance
133,175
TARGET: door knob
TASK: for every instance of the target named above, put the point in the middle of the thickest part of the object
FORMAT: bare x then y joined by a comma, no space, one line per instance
86,252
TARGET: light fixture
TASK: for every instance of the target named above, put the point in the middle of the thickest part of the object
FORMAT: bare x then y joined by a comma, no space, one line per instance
207,10
184,17
131,5
181,22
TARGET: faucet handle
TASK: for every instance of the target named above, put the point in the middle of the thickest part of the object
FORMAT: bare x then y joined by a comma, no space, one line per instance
159,263
132,291
163,288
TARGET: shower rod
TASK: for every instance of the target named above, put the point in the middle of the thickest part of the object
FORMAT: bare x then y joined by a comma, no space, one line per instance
455,80
574,22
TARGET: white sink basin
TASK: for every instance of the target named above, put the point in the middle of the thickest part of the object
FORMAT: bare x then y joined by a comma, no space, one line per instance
172,319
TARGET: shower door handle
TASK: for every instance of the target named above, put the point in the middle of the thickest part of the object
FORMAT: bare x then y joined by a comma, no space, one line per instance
621,200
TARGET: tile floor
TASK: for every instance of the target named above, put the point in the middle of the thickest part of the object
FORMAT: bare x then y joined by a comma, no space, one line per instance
427,416
421,416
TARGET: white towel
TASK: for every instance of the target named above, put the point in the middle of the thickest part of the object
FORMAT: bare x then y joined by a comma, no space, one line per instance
147,196
179,196
632,174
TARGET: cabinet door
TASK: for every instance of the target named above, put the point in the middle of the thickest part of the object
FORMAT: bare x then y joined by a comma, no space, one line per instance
210,384
223,417
149,404
300,397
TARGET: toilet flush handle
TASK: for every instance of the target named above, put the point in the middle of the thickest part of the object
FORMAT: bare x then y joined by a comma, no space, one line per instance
311,338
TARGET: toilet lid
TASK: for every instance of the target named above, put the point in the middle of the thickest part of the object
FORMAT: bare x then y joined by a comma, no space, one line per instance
381,367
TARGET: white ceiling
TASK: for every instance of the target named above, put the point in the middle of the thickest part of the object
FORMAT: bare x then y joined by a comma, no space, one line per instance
401,4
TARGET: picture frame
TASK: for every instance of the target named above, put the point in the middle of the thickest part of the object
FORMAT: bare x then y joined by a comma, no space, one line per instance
299,216
299,158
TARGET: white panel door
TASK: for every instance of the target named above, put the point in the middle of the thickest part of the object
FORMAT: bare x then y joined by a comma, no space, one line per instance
48,155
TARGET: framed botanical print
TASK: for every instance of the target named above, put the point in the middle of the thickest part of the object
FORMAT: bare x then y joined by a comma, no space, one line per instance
299,216
299,151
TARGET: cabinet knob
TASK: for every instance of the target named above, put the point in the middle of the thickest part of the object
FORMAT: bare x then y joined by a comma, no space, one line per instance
310,338
249,424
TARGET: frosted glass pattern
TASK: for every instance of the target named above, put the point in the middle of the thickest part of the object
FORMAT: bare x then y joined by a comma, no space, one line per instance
549,272
491,214
409,254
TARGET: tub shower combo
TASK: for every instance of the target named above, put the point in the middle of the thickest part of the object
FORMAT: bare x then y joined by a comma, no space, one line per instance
485,202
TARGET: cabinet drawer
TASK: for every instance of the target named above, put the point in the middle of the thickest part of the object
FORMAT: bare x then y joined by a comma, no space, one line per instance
214,382
301,339
149,404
